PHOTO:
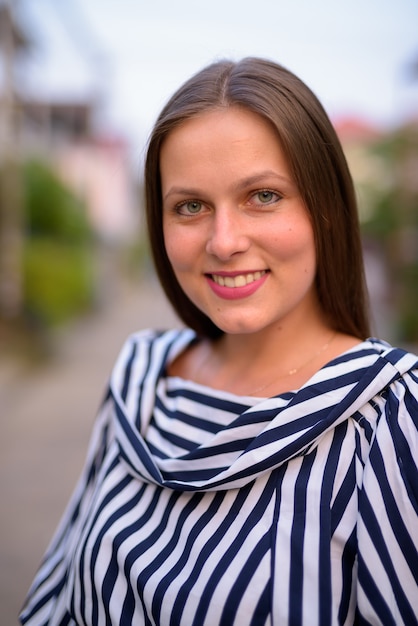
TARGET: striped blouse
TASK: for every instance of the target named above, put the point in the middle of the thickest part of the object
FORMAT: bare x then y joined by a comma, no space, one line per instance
197,507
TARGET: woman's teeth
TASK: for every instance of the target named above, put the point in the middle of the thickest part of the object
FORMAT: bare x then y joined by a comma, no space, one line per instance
237,281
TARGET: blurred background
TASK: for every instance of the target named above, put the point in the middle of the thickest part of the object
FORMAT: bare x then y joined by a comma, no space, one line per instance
80,86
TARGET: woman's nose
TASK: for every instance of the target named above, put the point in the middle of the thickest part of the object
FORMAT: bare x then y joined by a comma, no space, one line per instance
228,235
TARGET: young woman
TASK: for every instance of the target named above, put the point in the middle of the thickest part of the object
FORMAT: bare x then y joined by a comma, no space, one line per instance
256,467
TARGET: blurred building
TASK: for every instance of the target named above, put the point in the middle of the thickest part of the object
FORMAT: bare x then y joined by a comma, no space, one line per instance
60,127
96,166
99,170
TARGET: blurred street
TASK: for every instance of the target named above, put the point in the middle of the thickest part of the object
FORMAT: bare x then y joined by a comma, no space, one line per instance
46,416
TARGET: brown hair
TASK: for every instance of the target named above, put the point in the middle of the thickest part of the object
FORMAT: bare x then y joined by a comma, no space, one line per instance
317,163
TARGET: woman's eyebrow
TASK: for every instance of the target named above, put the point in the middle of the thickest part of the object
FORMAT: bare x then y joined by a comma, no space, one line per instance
248,181
243,183
182,191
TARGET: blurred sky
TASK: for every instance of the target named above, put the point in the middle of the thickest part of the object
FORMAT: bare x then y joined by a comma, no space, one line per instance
354,54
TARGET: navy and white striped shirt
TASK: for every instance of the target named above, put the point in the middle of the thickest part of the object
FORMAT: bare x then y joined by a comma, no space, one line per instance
197,507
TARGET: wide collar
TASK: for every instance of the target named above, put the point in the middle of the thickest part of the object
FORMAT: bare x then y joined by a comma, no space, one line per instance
264,436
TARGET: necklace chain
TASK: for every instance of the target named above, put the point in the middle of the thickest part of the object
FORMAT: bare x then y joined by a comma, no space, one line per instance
295,370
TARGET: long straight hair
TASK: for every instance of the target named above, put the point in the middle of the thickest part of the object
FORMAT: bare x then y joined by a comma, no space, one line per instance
317,163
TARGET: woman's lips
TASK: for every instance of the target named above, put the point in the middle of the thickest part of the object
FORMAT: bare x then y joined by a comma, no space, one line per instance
240,280
236,286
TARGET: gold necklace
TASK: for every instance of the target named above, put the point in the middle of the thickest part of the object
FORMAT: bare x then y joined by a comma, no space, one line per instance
295,370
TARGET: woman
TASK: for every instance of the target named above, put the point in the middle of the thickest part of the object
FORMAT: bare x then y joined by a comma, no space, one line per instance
257,466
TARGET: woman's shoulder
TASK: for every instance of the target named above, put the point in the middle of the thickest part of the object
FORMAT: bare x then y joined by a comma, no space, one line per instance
152,345
159,337
397,400
373,371
402,359
374,348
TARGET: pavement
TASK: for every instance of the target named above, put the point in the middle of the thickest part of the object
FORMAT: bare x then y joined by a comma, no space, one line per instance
46,415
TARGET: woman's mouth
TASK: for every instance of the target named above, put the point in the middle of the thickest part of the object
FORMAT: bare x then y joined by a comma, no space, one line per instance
239,280
234,287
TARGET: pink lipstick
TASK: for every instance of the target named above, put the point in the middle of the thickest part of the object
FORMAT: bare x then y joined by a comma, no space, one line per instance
236,285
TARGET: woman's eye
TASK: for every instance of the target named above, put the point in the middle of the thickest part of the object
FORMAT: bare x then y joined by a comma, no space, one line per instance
190,208
265,196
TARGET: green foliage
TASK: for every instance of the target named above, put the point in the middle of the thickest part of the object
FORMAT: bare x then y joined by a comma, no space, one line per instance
385,219
408,304
397,145
51,208
57,280
393,223
57,264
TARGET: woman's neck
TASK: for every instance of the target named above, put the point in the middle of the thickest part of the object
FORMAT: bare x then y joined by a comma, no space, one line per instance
273,361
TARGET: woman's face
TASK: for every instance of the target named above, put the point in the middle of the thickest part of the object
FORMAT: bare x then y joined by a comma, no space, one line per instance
236,231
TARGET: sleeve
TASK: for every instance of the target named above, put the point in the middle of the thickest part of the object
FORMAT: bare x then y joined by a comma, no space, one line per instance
45,603
388,511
